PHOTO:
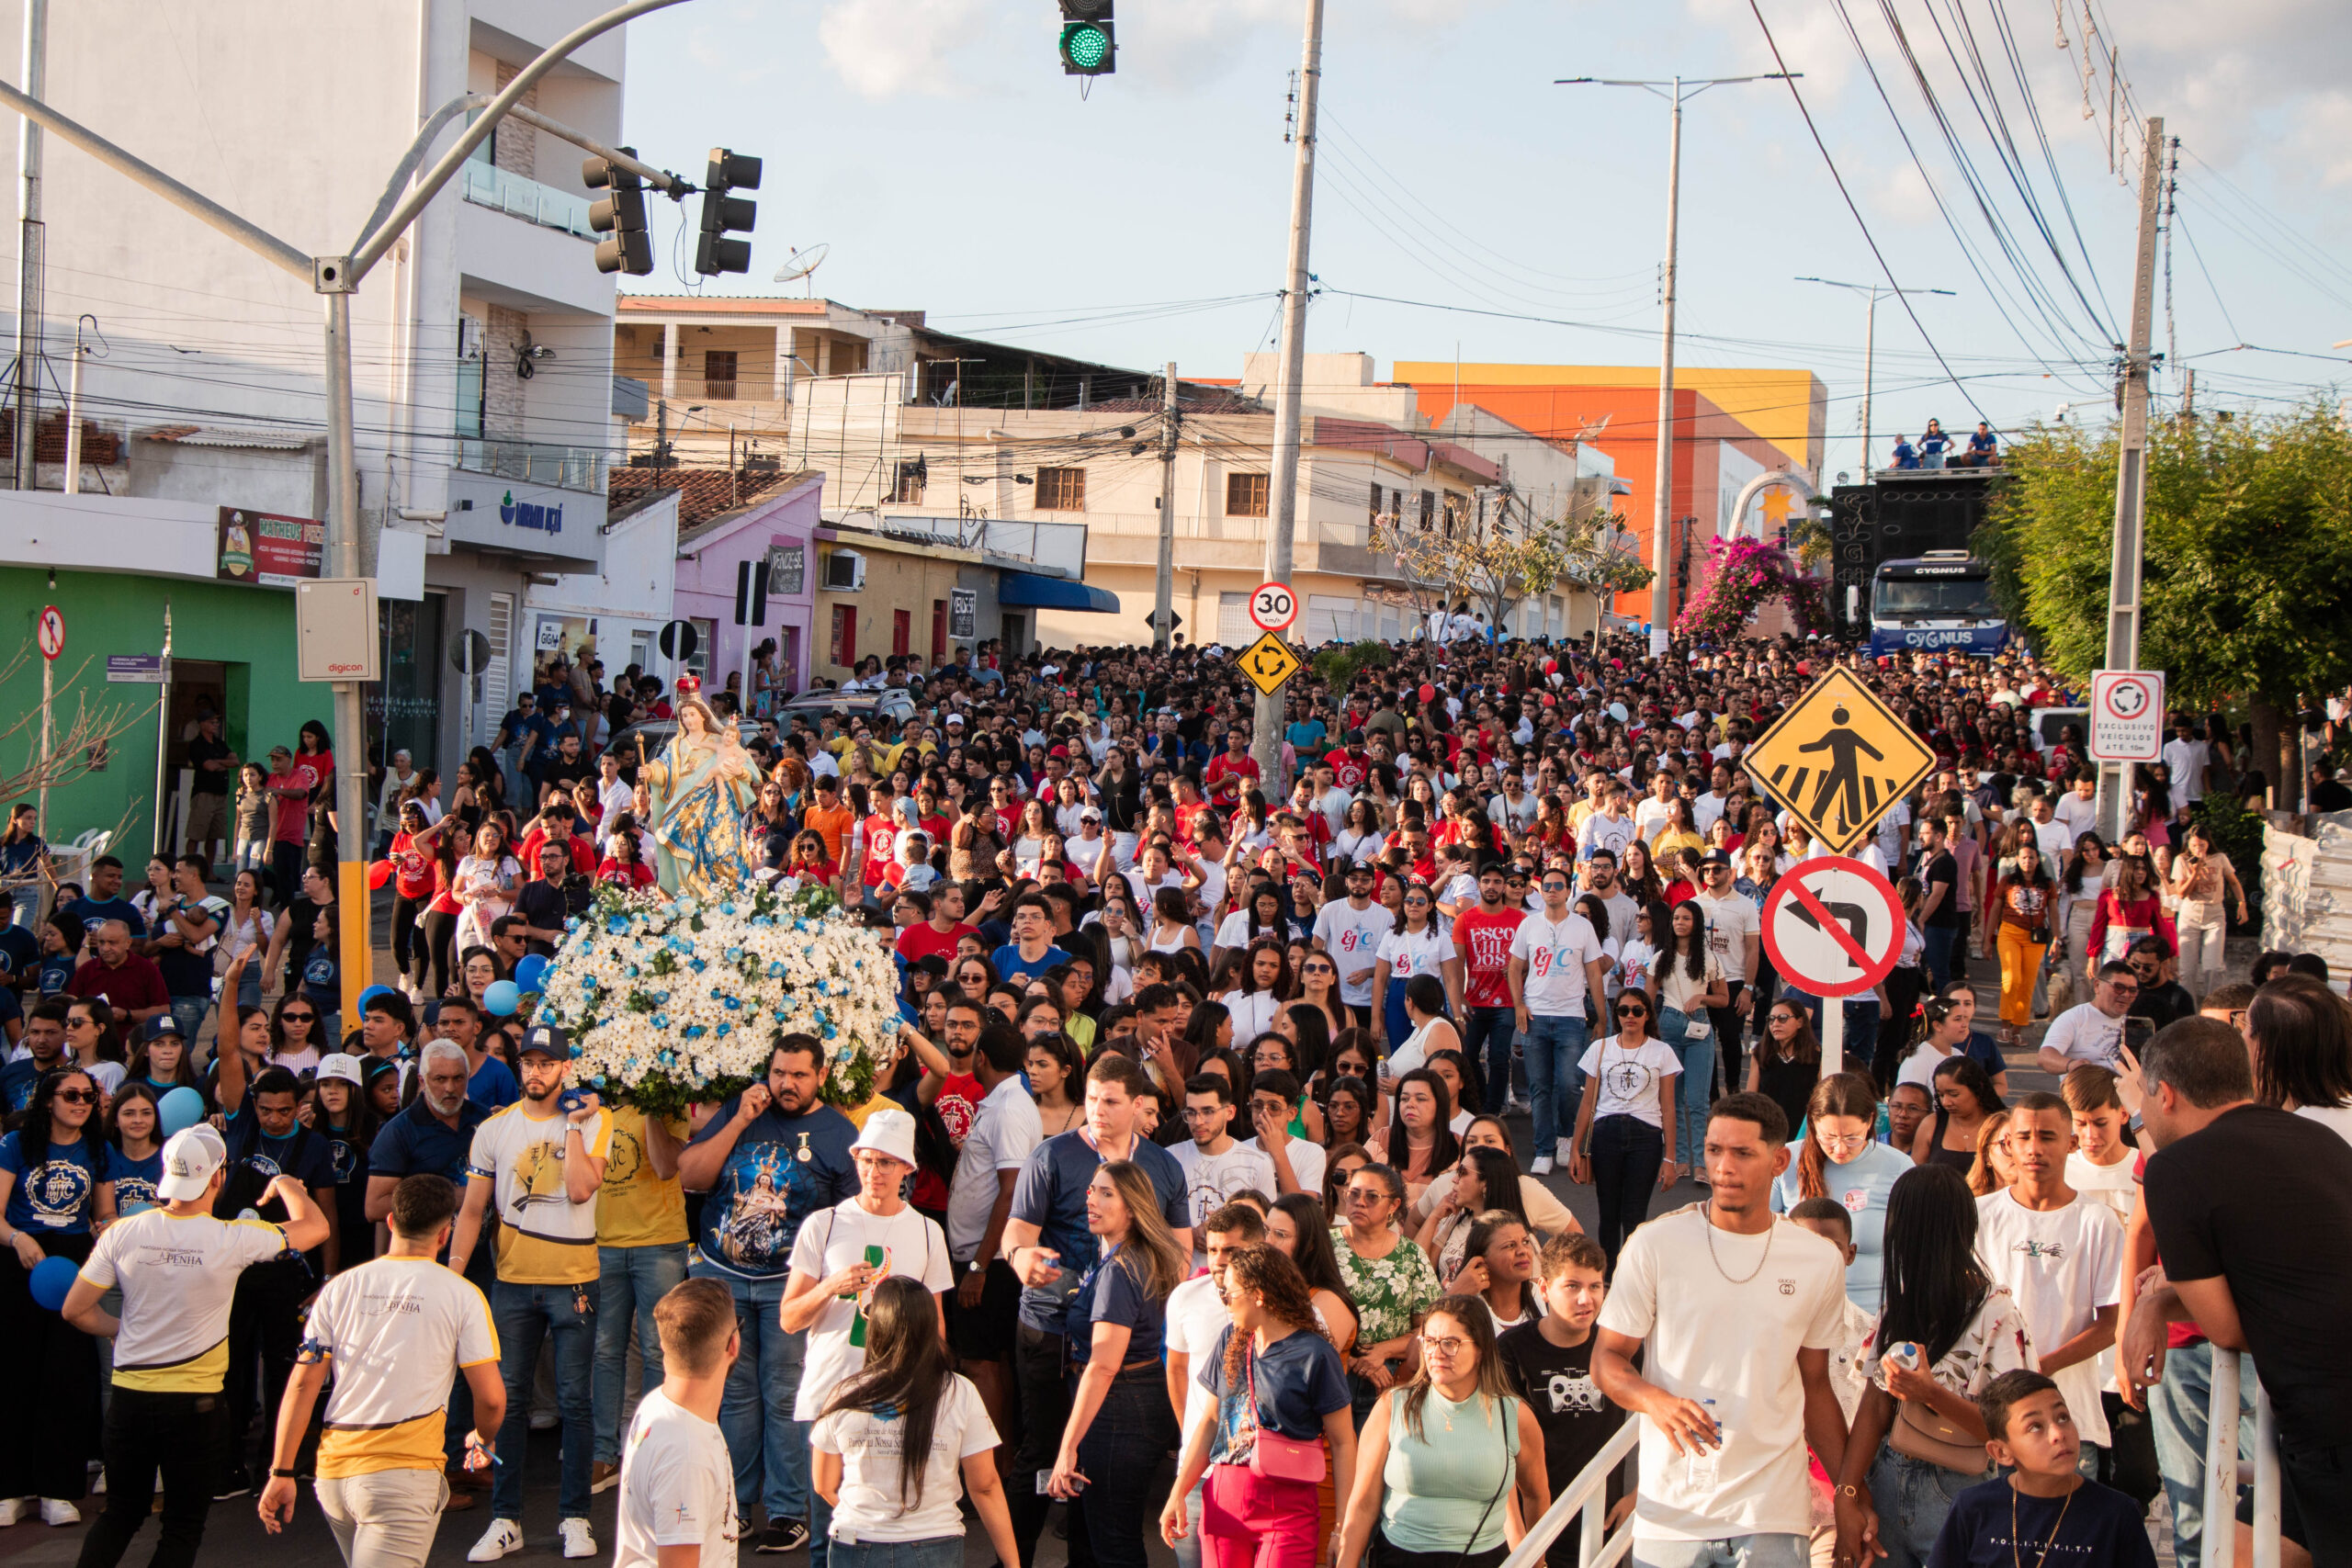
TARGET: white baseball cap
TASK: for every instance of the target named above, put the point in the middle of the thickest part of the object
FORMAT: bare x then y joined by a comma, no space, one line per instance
190,1157
340,1064
890,1132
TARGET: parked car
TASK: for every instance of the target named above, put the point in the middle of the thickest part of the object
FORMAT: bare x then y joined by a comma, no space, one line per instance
656,733
890,703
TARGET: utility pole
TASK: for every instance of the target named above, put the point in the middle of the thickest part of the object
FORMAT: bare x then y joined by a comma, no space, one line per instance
1675,90
29,249
1266,730
1870,348
1163,587
2131,473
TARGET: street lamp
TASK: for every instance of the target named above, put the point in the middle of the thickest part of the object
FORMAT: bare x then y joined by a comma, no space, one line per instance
1869,346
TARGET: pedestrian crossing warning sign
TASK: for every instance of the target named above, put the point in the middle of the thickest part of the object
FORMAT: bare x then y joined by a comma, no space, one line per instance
1269,662
1838,760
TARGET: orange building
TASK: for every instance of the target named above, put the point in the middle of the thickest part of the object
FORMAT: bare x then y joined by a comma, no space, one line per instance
1615,408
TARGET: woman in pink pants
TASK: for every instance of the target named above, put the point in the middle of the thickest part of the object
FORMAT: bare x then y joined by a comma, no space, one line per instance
1281,1418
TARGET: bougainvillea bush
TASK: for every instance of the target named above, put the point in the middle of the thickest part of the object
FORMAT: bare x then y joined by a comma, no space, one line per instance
1741,575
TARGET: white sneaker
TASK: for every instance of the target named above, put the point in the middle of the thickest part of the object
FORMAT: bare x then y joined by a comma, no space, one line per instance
1542,1166
13,1509
502,1537
58,1511
577,1541
1515,1106
1566,1151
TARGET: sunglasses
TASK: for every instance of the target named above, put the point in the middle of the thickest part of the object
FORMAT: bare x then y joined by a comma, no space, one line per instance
1624,1012
78,1096
299,1017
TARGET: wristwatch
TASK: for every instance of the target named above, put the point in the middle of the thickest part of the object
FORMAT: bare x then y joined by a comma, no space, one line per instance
976,1266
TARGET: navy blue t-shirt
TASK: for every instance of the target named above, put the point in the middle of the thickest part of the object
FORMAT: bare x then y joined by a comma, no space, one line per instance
59,1193
56,973
1051,1195
90,911
1114,1292
2096,1524
1300,1381
418,1142
781,1170
19,950
17,1081
134,1179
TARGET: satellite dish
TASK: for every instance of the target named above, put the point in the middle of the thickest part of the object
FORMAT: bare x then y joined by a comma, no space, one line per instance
802,263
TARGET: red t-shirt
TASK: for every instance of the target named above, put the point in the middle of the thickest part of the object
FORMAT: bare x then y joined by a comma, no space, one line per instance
1187,817
922,940
1484,942
1348,769
1226,775
584,859
411,869
291,824
637,873
960,1102
881,843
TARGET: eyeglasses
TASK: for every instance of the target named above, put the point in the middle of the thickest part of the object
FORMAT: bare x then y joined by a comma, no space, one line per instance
1448,1347
1367,1195
1842,1140
78,1096
2124,988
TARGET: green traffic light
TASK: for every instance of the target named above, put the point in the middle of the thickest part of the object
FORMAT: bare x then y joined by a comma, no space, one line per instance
1086,47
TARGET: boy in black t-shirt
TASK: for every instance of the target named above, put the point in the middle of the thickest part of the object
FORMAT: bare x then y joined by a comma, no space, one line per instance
2045,1506
1549,1361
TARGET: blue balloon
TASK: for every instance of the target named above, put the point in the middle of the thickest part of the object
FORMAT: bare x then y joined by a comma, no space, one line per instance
501,997
532,973
372,993
51,1278
179,1110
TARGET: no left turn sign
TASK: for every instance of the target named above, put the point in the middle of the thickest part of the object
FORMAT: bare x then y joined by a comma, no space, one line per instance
1834,926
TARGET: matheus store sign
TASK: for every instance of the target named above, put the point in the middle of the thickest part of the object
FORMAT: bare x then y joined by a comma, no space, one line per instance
273,551
529,514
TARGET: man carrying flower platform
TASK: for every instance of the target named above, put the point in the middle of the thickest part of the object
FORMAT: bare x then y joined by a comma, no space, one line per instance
769,1158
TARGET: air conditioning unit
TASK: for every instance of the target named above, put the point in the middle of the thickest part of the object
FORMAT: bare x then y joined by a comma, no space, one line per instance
844,571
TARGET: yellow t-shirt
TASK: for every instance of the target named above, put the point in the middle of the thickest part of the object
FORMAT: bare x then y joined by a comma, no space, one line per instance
179,1274
858,1113
635,1207
544,1238
394,1330
1672,842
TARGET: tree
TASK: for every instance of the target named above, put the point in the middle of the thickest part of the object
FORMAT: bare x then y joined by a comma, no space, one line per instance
2248,547
1742,574
1493,564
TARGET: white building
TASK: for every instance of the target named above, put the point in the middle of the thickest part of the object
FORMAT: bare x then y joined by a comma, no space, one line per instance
481,342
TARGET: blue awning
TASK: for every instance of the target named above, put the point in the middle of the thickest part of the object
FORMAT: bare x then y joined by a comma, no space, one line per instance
1026,588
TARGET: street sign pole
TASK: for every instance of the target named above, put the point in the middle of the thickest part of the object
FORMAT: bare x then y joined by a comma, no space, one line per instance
1834,929
52,643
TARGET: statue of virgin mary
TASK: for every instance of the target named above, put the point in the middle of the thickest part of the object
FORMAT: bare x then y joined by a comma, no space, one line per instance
700,791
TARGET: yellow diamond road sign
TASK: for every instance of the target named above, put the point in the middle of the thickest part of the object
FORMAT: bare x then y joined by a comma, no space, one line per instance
1838,760
1269,662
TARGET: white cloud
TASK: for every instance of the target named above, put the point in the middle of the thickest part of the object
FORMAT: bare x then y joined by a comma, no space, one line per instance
884,48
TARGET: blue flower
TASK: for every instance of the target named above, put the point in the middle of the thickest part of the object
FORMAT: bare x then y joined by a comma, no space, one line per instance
618,925
725,1030
734,953
662,1020
726,908
587,982
698,964
693,1031
732,1005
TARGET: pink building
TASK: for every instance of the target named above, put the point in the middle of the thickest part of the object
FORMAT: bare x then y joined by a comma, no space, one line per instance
774,534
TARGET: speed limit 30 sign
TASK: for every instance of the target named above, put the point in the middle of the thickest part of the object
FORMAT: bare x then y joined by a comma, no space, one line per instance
1274,607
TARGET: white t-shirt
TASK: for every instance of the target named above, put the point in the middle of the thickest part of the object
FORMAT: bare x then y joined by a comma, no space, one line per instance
1209,1180
2062,1266
1004,1133
1405,953
912,1247
2079,815
2082,1033
677,1487
1628,1079
1602,831
1707,1337
1649,816
872,1508
1636,965
1732,920
2187,760
1233,931
1307,1162
1252,1014
1195,1317
1555,954
1352,936
2108,1184
179,1274
398,1329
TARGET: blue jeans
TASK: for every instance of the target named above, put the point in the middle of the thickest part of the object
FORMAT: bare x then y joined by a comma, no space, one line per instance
2178,1414
1912,1497
527,1316
631,1281
1861,1026
1760,1550
1938,956
1188,1551
1486,1040
1695,1092
26,900
769,1448
1552,1046
940,1551
189,1011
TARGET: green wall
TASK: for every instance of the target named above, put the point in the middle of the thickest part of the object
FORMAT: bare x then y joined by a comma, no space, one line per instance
248,630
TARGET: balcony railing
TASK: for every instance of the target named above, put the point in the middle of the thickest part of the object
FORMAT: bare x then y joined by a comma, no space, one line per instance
518,196
535,462
758,388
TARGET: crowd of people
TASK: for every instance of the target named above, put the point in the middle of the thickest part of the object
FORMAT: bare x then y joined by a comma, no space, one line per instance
1229,1120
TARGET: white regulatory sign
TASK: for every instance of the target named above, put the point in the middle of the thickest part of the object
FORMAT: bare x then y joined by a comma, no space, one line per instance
2128,715
1274,607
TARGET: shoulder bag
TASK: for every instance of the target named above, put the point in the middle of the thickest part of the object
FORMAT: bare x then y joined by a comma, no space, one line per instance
1921,1433
1275,1456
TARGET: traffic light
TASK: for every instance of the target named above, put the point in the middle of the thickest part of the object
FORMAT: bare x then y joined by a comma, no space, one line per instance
1088,49
621,215
721,212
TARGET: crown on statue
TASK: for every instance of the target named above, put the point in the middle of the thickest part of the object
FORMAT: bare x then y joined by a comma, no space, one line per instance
688,686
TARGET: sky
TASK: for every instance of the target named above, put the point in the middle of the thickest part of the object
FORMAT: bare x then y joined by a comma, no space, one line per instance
1467,205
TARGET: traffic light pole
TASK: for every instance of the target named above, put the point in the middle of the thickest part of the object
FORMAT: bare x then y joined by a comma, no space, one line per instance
1266,731
2132,477
337,278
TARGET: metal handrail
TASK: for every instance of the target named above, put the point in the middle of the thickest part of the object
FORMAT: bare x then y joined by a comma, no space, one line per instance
2225,1473
1586,1496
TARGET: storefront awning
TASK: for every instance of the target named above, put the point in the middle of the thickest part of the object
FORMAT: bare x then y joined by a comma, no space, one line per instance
1022,588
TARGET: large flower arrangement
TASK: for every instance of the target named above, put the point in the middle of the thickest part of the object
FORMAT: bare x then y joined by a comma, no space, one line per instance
673,1002
1742,574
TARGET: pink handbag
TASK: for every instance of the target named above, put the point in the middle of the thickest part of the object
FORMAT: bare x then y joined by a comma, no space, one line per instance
1276,1457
